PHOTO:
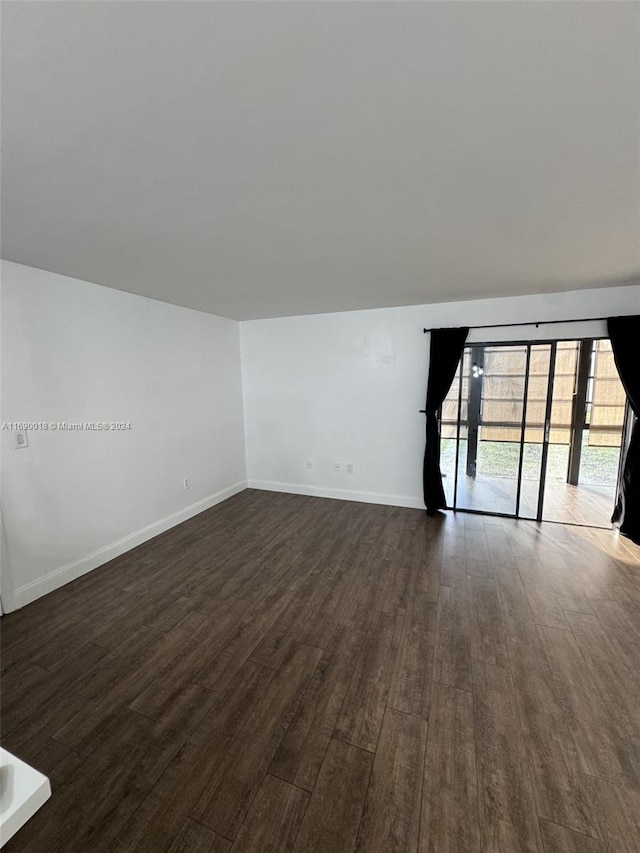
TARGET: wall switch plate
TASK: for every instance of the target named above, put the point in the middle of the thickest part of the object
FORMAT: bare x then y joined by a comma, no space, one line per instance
309,464
337,466
186,483
350,468
21,439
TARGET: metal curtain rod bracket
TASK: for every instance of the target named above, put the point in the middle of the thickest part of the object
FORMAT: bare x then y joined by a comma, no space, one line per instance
530,323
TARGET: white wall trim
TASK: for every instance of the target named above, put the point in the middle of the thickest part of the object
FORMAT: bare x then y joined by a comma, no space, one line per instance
7,594
31,591
337,494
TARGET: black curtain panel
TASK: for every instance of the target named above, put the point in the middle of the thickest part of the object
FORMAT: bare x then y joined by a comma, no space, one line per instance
447,346
624,333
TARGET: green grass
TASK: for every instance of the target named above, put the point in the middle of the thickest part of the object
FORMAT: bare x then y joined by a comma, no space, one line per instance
598,467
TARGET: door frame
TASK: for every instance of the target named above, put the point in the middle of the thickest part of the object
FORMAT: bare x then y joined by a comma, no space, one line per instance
553,345
546,438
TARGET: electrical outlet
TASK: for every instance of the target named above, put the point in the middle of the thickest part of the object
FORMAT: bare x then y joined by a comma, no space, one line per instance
186,483
20,440
350,468
337,466
309,464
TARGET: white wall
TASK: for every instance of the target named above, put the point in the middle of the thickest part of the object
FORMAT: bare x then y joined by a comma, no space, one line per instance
74,351
349,386
329,387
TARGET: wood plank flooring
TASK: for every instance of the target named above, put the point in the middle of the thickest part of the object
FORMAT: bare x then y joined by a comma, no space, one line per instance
564,503
300,675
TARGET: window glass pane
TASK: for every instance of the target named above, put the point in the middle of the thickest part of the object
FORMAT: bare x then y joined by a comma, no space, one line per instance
563,389
607,400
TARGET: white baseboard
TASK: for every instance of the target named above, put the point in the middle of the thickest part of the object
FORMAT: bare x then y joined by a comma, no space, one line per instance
36,589
337,494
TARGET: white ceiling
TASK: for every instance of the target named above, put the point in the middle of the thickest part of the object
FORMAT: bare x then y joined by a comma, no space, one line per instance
265,159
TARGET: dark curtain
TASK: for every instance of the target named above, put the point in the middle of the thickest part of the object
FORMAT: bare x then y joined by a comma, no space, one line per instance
447,346
624,333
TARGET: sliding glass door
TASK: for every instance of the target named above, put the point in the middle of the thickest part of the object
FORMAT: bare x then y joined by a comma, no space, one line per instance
534,430
493,429
588,417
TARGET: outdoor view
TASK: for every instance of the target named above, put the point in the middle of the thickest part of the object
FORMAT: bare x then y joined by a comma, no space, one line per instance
490,391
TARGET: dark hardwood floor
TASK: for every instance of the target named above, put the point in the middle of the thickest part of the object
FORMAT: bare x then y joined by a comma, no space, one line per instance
285,673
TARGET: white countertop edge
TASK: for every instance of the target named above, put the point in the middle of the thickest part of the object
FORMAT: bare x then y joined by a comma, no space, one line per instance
23,791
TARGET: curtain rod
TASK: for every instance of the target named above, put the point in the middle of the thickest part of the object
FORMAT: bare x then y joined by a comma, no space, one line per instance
530,323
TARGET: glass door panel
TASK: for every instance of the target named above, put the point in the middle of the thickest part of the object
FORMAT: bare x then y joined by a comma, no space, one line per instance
493,428
586,435
488,471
